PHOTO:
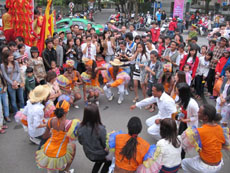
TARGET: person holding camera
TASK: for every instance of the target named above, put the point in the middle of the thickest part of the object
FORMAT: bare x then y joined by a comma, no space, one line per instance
71,52
11,72
189,108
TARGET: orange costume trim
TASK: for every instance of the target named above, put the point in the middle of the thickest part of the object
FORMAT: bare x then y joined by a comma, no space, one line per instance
123,162
116,82
212,138
56,145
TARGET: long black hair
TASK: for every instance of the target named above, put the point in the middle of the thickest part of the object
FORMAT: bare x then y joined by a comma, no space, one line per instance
192,47
130,148
168,131
184,94
94,66
91,117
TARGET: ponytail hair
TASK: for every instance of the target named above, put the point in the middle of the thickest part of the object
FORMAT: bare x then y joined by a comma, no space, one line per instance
130,148
59,112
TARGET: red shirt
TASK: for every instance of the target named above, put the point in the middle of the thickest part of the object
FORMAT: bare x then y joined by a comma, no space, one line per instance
172,26
155,32
221,63
193,67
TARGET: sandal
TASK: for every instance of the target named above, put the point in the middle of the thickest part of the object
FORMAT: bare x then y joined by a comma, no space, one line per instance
148,107
152,109
2,131
4,127
135,99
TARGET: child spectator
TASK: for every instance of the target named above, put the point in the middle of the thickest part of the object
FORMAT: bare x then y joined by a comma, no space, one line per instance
212,45
30,80
100,62
54,68
188,76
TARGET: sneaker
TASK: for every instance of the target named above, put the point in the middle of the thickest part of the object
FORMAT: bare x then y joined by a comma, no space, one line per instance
97,103
126,92
111,97
35,140
76,106
212,97
119,101
118,93
71,171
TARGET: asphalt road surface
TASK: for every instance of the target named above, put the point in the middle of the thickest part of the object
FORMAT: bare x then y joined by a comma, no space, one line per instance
17,153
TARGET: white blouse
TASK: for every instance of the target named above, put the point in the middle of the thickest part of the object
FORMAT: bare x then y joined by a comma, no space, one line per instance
35,116
171,156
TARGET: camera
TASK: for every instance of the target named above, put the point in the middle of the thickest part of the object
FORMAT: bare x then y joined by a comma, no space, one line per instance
177,116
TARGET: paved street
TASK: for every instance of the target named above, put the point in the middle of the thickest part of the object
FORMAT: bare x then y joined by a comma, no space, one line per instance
17,153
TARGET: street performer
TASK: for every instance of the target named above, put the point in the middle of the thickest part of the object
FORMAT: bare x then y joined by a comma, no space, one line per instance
114,76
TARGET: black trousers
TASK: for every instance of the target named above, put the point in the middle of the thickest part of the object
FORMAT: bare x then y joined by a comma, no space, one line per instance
211,80
199,86
182,128
98,164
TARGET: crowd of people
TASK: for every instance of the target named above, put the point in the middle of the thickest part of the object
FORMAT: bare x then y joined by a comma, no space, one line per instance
173,73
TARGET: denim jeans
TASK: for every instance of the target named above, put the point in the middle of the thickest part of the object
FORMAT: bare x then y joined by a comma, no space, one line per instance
109,58
14,93
1,116
4,103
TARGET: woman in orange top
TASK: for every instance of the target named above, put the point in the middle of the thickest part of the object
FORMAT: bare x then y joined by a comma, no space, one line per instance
74,80
129,148
210,139
57,153
91,83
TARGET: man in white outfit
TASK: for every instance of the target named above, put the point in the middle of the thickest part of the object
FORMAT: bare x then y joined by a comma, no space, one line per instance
166,106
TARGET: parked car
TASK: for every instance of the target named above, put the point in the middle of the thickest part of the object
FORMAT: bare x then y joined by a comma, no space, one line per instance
64,24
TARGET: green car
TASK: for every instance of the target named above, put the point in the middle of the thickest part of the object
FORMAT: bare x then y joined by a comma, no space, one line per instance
64,24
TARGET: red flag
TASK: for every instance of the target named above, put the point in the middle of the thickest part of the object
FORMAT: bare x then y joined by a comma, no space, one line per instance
41,41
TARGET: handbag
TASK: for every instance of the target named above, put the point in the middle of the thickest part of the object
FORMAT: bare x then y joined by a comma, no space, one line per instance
218,84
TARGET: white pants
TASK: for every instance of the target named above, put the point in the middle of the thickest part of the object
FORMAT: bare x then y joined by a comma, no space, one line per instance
195,165
121,89
1,115
154,129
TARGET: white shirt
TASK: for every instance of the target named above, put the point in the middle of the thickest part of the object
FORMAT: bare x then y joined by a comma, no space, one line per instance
93,51
192,113
203,67
165,104
170,155
153,48
134,34
110,49
28,51
35,116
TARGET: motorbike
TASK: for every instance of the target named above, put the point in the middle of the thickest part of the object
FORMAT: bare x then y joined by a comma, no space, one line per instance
164,28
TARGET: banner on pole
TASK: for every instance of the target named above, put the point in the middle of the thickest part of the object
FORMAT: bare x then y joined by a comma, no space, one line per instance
178,8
